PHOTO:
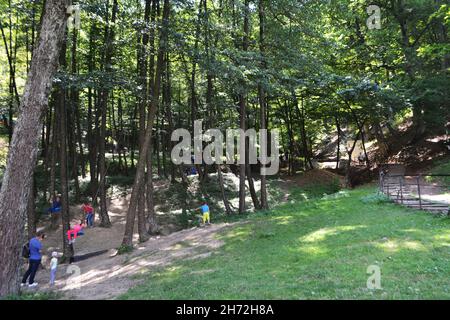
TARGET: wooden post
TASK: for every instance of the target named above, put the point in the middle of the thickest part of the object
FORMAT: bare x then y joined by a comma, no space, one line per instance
418,191
380,186
401,189
388,191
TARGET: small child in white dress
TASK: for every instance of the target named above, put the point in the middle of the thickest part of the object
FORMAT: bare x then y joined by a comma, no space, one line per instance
53,267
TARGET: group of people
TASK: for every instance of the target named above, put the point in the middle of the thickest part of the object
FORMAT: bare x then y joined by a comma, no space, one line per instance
34,254
88,210
33,249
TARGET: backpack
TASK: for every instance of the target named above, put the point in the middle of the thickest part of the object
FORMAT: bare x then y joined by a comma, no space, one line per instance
26,250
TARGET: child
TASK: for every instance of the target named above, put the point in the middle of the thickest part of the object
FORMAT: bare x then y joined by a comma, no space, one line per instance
71,235
205,211
89,214
53,267
56,205
78,229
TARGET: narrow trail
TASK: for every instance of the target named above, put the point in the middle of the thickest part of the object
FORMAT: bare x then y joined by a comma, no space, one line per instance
103,274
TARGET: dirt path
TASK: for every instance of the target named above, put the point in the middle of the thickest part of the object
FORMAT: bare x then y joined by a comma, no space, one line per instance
104,274
429,190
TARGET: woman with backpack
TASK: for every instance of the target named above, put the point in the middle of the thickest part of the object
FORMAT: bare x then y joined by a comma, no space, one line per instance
34,260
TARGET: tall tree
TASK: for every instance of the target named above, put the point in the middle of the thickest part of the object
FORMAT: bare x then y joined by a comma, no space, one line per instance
61,115
104,95
24,144
144,149
262,96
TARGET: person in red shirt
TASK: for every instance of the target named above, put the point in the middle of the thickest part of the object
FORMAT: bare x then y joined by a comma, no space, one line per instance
89,214
78,228
71,235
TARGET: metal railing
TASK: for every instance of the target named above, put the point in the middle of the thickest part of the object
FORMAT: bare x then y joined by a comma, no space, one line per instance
413,191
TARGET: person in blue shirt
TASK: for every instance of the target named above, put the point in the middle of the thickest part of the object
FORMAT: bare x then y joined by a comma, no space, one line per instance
205,210
56,206
34,261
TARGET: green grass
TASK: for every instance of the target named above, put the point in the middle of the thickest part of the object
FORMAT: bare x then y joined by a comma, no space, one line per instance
47,295
317,249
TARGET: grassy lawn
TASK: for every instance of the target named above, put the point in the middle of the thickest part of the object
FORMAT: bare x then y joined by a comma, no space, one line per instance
317,249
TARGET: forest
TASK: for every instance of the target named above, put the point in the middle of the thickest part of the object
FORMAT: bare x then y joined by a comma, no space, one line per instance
91,92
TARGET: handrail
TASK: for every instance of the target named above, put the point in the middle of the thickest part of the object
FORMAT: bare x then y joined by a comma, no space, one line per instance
395,188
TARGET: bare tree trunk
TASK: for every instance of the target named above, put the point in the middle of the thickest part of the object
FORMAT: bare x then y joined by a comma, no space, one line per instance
142,74
61,106
31,210
145,148
169,117
53,156
104,94
348,182
75,100
242,153
226,203
243,115
153,227
262,98
24,144
92,146
338,153
251,185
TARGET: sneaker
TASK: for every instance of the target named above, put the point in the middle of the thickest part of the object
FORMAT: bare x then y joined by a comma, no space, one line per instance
34,284
23,284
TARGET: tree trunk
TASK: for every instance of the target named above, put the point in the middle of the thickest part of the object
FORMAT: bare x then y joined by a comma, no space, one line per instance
31,210
145,148
91,121
242,153
243,116
226,203
153,227
338,153
262,99
53,155
104,93
61,105
169,116
24,144
251,185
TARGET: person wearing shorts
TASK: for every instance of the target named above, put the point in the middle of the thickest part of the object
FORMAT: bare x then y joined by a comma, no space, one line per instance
205,211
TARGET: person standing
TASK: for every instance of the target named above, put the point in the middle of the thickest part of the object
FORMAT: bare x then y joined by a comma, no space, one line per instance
205,210
34,260
71,237
53,267
89,214
56,205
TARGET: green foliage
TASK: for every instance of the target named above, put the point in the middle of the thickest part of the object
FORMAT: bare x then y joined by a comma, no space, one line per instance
124,249
312,191
375,198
